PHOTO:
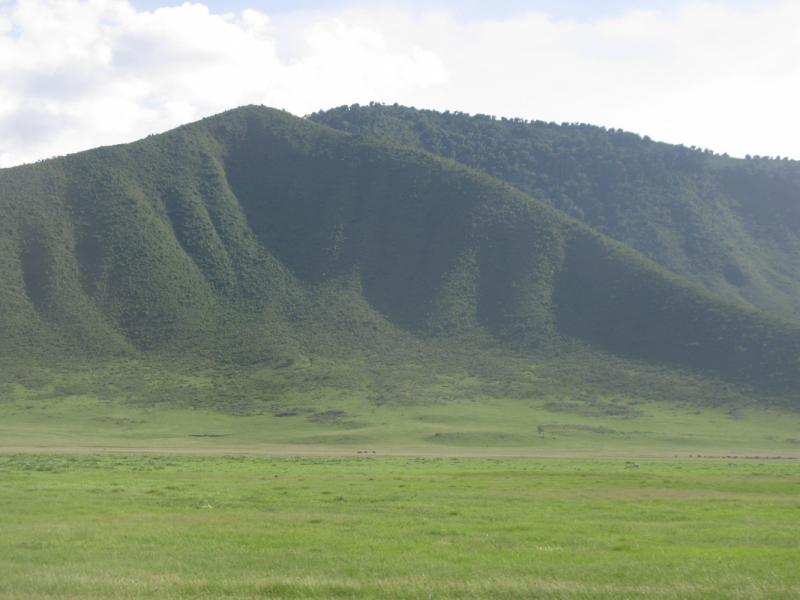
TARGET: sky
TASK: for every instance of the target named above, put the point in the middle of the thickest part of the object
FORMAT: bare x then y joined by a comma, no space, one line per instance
722,75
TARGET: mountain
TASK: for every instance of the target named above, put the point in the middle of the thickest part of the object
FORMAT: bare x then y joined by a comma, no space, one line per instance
730,225
257,237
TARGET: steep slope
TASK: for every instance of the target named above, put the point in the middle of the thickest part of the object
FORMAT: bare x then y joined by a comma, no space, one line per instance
730,225
254,235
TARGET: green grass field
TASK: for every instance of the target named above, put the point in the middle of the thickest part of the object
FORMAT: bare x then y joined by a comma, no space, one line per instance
330,421
309,481
189,526
318,409
489,427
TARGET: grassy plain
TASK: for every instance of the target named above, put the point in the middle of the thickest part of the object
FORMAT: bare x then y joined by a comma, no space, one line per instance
314,479
189,526
310,409
511,428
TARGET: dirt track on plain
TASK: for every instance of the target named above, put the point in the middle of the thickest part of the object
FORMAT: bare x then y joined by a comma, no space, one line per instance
356,453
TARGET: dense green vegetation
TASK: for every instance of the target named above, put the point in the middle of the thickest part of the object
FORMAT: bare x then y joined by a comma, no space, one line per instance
730,225
171,526
255,238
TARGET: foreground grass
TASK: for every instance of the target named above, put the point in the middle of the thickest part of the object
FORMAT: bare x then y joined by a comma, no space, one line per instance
170,526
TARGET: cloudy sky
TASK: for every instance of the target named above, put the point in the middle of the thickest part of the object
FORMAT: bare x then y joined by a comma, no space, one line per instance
725,75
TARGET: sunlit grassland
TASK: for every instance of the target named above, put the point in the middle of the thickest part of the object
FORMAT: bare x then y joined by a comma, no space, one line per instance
103,525
128,407
490,427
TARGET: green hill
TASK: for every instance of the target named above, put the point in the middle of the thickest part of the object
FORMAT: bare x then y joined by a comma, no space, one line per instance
258,238
730,225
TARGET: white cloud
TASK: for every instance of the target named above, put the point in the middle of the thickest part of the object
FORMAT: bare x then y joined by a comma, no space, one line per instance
78,74
347,63
706,75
